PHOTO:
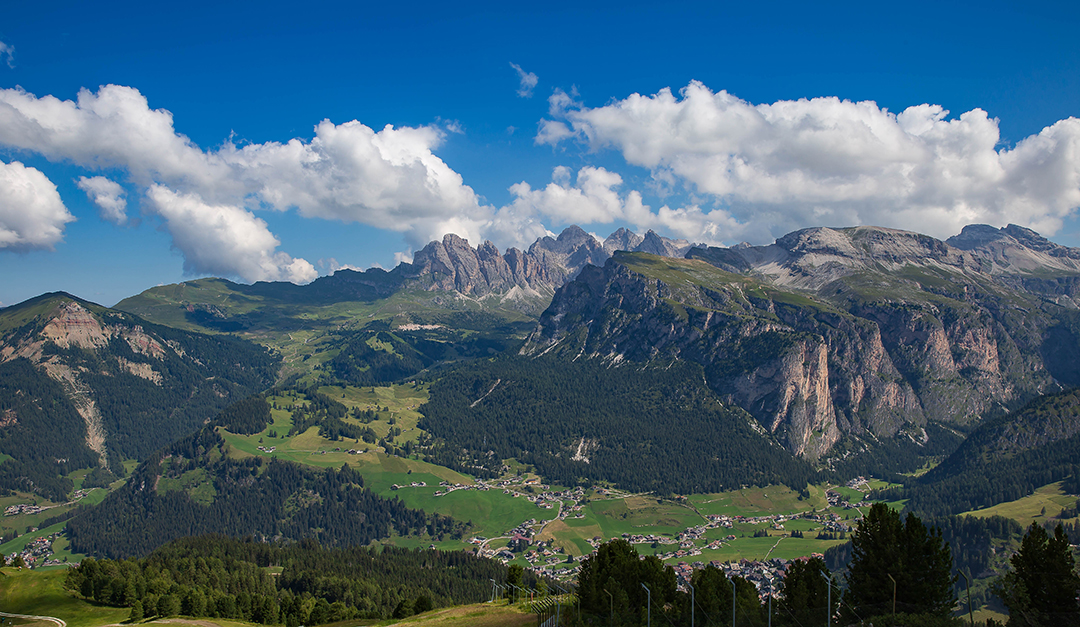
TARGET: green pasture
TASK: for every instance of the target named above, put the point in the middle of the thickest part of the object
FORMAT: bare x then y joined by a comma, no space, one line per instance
41,592
852,495
758,501
639,515
395,404
380,471
491,512
1030,508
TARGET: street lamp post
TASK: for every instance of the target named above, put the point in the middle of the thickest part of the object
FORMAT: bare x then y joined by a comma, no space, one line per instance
967,581
648,606
692,604
732,581
828,582
893,597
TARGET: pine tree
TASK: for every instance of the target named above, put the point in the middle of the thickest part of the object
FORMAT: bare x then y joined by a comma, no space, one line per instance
917,559
1042,587
806,594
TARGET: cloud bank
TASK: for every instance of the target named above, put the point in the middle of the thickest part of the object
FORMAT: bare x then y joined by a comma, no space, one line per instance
748,172
389,178
771,168
32,216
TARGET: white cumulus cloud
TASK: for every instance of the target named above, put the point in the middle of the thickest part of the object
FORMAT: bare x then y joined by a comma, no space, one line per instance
771,168
593,196
32,216
108,195
528,81
225,239
8,51
389,178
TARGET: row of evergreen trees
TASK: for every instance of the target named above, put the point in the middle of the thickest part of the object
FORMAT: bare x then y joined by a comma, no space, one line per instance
900,573
220,577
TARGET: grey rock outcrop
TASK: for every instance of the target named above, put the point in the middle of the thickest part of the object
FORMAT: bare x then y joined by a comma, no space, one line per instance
865,332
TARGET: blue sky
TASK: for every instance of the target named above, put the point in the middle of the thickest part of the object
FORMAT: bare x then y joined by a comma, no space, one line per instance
777,116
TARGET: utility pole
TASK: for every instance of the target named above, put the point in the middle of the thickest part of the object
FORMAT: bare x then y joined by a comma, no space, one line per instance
893,598
611,602
732,581
971,613
493,585
558,608
692,604
648,604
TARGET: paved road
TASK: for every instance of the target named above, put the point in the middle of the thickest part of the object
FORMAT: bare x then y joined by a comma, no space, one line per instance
58,622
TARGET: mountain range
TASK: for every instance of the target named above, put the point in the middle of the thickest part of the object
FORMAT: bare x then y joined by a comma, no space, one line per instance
833,340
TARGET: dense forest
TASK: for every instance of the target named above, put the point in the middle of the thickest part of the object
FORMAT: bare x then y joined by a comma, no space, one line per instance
1003,460
142,416
658,428
194,488
220,577
377,355
187,378
32,404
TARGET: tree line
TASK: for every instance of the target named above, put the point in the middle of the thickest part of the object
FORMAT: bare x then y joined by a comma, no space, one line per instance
255,496
216,576
901,572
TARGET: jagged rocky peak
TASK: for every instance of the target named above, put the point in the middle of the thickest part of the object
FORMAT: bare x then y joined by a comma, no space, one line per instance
573,250
623,239
453,265
657,245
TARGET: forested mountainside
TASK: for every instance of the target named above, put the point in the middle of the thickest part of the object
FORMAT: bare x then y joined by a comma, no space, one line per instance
82,386
194,488
658,428
841,343
1004,459
840,336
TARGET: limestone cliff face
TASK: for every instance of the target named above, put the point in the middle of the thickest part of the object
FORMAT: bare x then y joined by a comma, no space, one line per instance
867,332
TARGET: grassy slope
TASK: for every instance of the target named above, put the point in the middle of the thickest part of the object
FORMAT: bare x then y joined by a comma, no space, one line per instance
493,512
42,593
1029,508
299,329
478,615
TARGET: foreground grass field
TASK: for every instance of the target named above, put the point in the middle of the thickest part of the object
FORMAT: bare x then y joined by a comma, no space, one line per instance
42,593
479,615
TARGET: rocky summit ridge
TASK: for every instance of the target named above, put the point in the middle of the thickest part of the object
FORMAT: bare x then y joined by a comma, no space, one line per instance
549,262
